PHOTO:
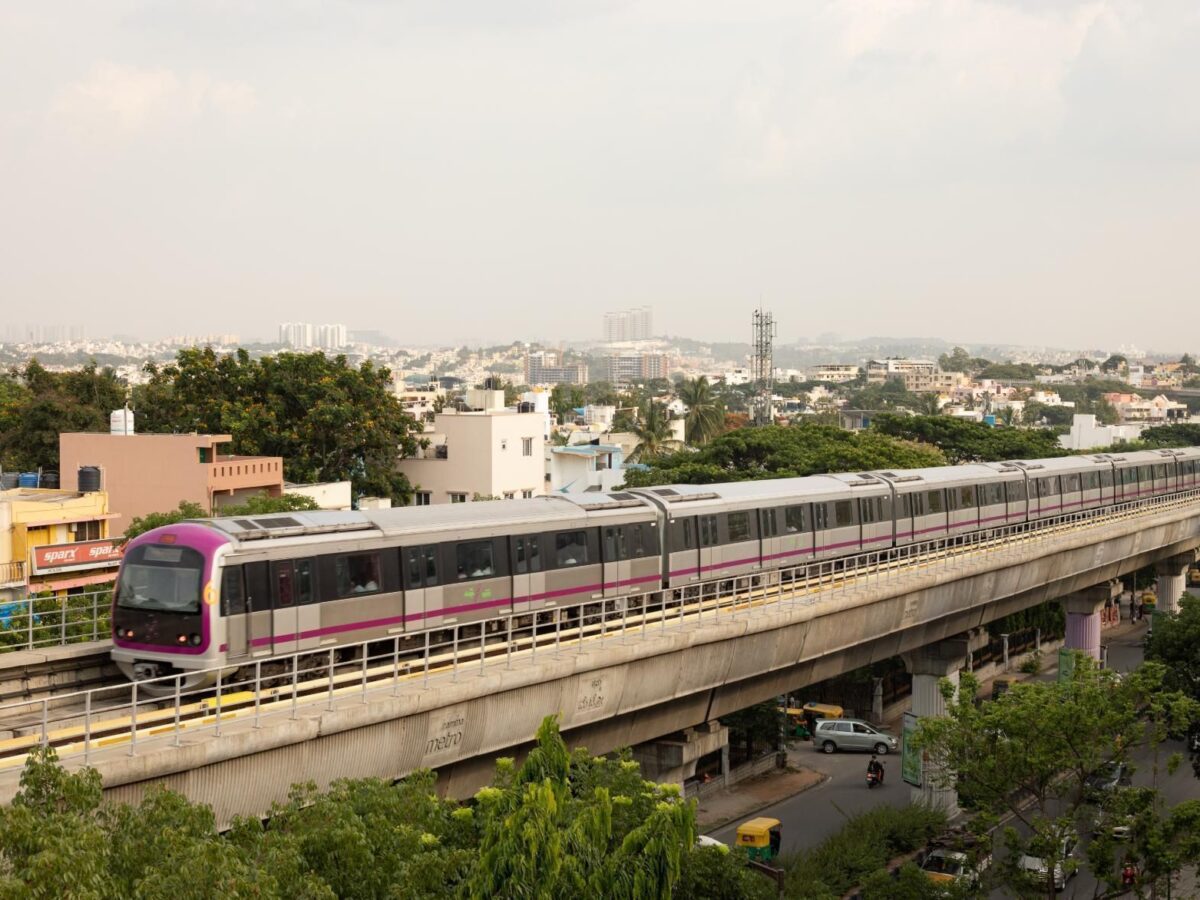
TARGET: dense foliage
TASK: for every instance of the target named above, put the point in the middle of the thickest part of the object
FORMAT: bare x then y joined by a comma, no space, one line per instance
1181,435
964,441
255,506
36,405
1014,757
1176,644
559,825
777,451
328,420
865,845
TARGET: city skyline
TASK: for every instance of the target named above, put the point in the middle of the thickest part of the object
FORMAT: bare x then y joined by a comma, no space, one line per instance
475,174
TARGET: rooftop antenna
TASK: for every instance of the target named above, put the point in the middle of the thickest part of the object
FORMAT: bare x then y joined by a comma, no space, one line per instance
763,367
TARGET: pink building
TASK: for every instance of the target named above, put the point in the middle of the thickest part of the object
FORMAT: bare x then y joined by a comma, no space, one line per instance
148,473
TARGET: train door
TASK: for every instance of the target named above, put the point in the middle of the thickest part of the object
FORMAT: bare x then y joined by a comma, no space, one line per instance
285,623
683,556
709,541
308,610
422,593
904,518
258,608
233,612
616,575
772,544
529,577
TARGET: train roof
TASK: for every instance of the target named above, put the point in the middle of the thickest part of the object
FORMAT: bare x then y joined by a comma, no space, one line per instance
688,499
1138,457
1060,464
939,476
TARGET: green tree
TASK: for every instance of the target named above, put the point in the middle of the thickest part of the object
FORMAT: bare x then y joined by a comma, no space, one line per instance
782,451
186,510
328,420
51,403
260,505
1114,364
1179,435
653,433
564,400
760,726
964,441
705,415
1176,644
1017,759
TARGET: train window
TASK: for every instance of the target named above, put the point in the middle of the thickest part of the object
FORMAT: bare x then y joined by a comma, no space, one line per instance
614,544
685,534
991,494
739,526
770,525
306,576
906,506
966,497
867,510
357,573
283,586
1047,487
636,546
528,553
1160,474
570,549
1015,491
414,567
473,559
935,502
1143,474
233,597
793,519
708,531
842,513
1106,478
1090,481
1070,483
820,512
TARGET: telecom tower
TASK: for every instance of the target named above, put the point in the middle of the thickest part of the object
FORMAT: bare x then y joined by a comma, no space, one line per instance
763,365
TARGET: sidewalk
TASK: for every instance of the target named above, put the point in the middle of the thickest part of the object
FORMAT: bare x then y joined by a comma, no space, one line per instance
743,800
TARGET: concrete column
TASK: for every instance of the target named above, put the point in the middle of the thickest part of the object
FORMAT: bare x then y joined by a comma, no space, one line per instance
877,702
1083,616
1172,580
672,759
929,666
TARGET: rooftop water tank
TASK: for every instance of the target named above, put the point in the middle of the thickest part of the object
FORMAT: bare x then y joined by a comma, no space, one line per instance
89,478
28,480
9,480
120,421
50,480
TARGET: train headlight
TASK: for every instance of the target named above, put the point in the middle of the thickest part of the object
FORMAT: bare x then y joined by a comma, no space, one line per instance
194,639
128,632
182,639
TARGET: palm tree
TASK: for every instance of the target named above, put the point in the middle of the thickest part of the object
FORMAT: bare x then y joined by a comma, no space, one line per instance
705,413
653,432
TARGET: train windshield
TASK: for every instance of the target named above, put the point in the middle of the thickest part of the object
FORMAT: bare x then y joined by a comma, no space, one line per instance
160,577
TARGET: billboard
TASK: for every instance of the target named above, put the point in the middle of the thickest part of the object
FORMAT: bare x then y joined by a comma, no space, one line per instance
910,756
76,557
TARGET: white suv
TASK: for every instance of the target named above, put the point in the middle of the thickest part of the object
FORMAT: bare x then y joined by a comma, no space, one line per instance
852,734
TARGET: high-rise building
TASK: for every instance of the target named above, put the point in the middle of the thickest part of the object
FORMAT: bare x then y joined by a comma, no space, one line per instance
546,367
628,325
622,368
305,336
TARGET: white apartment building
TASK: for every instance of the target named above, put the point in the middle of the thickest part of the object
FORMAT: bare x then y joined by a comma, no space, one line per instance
834,373
933,382
577,468
880,370
492,453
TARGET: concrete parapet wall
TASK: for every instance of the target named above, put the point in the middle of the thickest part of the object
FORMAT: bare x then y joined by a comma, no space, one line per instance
621,692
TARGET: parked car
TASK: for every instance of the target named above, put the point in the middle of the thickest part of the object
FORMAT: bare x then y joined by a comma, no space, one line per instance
1106,779
853,734
1036,867
944,866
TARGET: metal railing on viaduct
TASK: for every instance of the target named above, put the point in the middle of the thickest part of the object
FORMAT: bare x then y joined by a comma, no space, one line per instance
438,672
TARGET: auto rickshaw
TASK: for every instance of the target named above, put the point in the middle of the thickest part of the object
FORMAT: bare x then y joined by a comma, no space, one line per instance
761,838
1194,575
797,725
824,710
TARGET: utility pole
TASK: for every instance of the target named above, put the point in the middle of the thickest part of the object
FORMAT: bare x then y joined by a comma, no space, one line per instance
763,367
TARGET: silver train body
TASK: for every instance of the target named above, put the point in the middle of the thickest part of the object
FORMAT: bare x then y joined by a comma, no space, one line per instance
223,593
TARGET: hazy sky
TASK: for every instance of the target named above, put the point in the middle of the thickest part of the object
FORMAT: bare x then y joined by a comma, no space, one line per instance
1022,171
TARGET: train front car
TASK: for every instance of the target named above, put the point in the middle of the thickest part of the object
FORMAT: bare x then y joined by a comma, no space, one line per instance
165,614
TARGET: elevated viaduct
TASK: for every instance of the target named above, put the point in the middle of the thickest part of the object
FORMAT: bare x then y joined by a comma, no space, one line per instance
627,683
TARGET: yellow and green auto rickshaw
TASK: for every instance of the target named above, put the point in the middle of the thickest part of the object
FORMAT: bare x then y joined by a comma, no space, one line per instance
761,837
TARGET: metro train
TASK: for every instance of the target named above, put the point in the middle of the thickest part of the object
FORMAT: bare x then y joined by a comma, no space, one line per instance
222,593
